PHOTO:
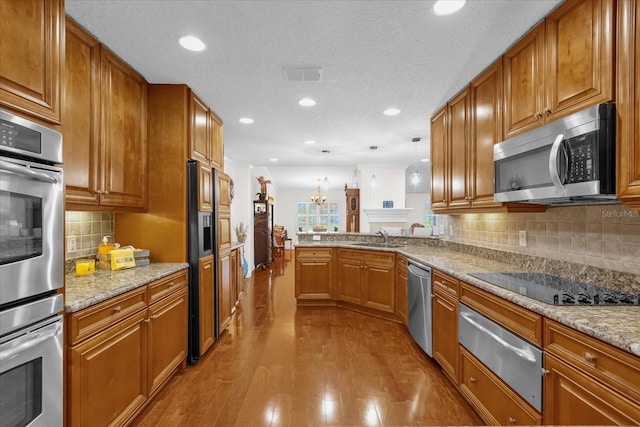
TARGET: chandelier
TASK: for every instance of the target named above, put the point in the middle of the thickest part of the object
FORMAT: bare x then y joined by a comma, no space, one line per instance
318,198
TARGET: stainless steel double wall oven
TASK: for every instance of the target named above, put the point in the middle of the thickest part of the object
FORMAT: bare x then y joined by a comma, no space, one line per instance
31,272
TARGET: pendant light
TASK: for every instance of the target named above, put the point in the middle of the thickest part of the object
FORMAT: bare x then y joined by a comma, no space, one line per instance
373,181
318,198
325,181
415,175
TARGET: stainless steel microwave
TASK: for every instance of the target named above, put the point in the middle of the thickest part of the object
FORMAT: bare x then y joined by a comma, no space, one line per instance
568,161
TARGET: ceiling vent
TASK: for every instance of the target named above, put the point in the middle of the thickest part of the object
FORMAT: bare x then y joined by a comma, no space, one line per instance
302,74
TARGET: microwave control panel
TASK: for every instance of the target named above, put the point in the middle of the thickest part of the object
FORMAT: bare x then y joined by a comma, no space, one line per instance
582,158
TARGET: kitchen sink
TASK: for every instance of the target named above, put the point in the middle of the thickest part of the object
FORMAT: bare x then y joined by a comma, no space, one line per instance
376,245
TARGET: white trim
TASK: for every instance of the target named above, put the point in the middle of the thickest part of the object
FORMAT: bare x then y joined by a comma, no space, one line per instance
388,215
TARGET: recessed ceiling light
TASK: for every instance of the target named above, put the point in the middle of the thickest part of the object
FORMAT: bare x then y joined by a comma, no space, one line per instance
245,120
307,102
447,7
273,159
192,43
309,141
391,112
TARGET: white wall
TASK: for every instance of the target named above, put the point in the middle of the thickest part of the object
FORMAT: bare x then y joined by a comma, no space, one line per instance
416,201
242,207
390,186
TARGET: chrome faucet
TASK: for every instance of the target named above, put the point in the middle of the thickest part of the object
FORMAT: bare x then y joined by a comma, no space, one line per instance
384,234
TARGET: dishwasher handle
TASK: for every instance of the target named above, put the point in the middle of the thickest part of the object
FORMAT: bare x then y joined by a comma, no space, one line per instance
521,353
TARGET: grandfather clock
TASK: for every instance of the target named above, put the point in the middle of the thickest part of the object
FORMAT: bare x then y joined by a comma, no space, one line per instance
353,209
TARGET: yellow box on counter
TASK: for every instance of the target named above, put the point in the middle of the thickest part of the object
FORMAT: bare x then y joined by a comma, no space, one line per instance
122,259
85,267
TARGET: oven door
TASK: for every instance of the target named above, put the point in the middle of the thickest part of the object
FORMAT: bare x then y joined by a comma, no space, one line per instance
31,375
31,229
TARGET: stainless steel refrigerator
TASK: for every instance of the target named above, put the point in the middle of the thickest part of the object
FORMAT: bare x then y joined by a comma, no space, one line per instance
202,238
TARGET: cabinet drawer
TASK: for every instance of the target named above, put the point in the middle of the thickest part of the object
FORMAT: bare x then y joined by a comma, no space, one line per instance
445,284
89,321
167,285
517,319
494,400
313,253
615,367
401,263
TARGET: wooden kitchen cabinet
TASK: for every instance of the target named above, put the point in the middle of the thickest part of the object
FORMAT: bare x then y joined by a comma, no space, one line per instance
402,300
206,271
628,103
226,305
445,323
496,402
314,275
32,65
439,161
104,128
563,65
205,182
367,279
458,141
233,265
130,345
587,381
206,137
216,136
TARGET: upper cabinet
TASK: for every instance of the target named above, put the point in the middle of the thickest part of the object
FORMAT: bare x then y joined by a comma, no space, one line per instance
628,103
439,181
32,57
104,124
563,65
206,140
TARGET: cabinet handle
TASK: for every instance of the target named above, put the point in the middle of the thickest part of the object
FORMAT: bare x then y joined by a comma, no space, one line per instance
544,372
117,309
512,421
538,115
106,193
589,357
444,201
547,111
472,380
171,285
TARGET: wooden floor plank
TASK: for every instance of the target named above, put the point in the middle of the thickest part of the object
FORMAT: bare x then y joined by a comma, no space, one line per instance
282,365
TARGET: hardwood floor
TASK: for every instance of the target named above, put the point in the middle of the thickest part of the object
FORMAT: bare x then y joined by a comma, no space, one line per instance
282,365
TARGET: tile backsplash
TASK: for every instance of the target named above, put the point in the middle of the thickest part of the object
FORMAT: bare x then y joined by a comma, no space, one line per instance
88,228
605,236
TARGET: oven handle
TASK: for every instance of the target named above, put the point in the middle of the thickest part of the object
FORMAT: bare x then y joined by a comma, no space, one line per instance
31,340
28,172
553,162
523,354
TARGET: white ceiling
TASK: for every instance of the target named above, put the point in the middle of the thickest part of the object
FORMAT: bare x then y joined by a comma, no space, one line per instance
373,55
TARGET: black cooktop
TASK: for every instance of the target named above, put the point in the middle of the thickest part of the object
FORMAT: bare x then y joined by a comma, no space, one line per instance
558,290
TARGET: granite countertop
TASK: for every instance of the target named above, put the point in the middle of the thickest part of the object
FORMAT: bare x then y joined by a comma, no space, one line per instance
615,325
84,291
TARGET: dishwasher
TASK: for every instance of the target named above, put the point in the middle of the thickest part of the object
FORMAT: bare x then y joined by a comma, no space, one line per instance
419,305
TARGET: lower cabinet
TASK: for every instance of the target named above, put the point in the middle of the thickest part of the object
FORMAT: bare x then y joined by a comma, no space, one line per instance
206,271
122,350
402,302
314,275
225,305
367,278
496,403
445,323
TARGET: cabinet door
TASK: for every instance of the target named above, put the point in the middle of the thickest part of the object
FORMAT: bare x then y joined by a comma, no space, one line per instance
167,337
460,167
199,142
314,272
628,103
350,280
445,333
81,117
205,194
573,398
486,131
32,57
217,141
402,302
579,56
523,83
439,160
233,278
224,198
379,283
224,291
124,134
108,374
207,308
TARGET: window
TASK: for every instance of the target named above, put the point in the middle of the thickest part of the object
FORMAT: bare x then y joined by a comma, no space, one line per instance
326,215
429,216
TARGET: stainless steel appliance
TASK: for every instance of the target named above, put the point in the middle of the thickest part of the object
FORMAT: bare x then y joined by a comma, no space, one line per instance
558,290
31,209
201,243
31,364
569,161
419,305
31,272
516,361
